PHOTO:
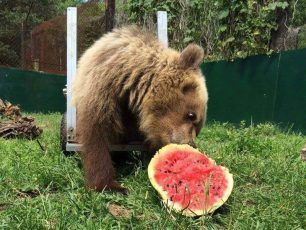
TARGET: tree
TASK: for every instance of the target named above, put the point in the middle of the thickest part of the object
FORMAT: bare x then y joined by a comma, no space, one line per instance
279,36
109,15
17,19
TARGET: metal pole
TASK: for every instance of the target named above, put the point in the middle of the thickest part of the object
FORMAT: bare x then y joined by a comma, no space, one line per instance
162,27
22,46
71,69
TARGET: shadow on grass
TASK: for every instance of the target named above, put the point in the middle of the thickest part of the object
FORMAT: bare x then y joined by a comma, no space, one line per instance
126,163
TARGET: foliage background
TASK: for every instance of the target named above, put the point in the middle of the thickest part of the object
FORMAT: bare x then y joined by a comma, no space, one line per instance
225,29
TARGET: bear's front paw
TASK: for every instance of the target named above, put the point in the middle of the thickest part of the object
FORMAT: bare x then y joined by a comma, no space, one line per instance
115,186
111,187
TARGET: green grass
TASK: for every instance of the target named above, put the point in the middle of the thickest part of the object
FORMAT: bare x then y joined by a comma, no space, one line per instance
45,190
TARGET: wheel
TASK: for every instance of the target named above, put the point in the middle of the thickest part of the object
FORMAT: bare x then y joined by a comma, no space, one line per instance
63,136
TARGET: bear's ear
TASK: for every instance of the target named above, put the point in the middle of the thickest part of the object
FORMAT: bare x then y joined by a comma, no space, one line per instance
191,57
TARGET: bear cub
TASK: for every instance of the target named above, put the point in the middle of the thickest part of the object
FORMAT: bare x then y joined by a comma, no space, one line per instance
130,87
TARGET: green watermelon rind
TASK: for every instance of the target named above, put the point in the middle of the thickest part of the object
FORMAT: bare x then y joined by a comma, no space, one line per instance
175,206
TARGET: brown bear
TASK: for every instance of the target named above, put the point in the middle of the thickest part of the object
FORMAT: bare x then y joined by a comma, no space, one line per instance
129,86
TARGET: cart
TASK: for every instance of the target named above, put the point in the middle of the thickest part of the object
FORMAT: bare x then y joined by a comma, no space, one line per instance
68,141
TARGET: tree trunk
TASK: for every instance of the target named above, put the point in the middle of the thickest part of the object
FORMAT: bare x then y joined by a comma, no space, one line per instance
279,36
109,15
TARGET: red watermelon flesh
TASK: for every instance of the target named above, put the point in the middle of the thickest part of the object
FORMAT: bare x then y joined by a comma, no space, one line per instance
189,181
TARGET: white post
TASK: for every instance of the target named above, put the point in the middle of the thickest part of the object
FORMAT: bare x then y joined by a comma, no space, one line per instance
71,69
162,27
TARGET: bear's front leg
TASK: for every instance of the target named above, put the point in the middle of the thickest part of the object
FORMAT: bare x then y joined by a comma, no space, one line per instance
99,171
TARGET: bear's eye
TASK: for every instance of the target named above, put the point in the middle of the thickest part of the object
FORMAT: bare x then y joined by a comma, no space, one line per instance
191,116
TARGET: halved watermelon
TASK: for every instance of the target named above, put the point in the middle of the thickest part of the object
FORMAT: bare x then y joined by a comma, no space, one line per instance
188,181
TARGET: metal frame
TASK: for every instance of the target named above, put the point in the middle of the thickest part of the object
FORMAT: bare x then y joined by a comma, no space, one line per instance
71,144
162,27
71,70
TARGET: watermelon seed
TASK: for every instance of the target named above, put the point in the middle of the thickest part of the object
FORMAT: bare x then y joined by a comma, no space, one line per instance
180,182
186,189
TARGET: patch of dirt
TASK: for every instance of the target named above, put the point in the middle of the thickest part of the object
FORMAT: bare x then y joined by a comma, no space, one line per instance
303,153
3,206
119,211
50,224
248,203
27,194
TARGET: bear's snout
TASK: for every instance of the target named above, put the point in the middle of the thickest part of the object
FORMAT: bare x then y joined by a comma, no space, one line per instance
183,137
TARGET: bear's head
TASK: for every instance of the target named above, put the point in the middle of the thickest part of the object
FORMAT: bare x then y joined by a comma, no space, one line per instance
175,109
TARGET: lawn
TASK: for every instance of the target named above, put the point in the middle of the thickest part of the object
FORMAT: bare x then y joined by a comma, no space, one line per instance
43,189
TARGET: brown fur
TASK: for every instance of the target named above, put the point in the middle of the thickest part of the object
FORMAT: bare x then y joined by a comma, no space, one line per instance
129,86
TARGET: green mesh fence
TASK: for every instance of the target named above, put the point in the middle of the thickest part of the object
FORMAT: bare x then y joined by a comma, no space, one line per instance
259,89
33,91
256,89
